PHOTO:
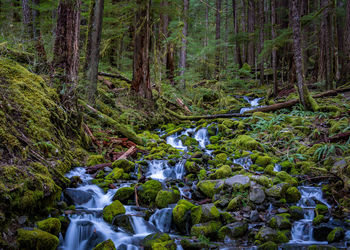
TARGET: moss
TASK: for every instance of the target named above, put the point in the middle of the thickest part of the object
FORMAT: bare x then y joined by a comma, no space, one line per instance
148,191
221,158
158,241
338,126
124,164
335,235
51,225
321,209
192,167
235,204
246,142
263,180
110,211
297,213
116,174
226,218
214,139
164,198
202,174
208,188
293,195
208,229
318,220
270,170
106,245
235,230
180,213
263,161
36,239
124,194
95,160
222,172
270,245
285,177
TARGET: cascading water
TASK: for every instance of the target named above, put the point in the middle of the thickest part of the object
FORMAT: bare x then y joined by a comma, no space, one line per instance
254,103
162,219
302,230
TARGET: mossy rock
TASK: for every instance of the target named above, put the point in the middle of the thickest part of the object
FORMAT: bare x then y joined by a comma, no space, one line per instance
124,194
51,225
293,195
318,220
336,235
115,175
208,229
106,245
209,188
193,245
148,191
246,142
191,167
221,158
296,213
321,209
280,222
235,204
285,177
95,160
36,239
223,172
158,241
124,164
234,230
270,245
181,215
164,198
263,160
110,211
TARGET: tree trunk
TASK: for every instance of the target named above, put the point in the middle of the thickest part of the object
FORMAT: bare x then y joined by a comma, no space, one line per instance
66,50
346,65
27,18
238,56
226,34
183,50
274,50
251,30
261,36
93,48
217,38
141,82
206,39
305,98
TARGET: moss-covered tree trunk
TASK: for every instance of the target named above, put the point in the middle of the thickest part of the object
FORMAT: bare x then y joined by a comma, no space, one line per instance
66,50
183,49
305,98
217,38
251,30
141,82
274,50
238,55
261,39
93,47
346,66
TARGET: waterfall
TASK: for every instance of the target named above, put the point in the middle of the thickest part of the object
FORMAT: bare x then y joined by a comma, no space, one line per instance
162,219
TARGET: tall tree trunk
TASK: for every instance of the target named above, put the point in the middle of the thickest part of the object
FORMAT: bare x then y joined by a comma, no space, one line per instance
27,18
261,36
305,98
141,82
226,34
93,47
66,50
251,30
217,38
15,11
183,50
238,56
346,65
274,50
206,39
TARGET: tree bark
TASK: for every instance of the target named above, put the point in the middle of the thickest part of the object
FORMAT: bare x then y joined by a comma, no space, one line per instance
251,30
261,36
183,49
226,34
305,98
206,39
238,56
141,82
346,65
93,48
27,18
217,38
66,50
274,50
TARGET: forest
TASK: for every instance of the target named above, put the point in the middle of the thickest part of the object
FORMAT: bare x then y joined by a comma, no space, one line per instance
174,124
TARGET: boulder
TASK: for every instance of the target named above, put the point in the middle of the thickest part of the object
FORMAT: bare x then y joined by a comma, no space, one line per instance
277,191
321,232
164,198
337,234
114,209
106,245
293,195
50,225
233,230
257,195
77,196
210,187
124,222
182,216
36,239
158,241
297,213
148,191
124,194
124,164
208,229
280,222
237,181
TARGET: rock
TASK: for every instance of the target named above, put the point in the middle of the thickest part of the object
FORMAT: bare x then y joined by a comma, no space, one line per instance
106,245
321,209
210,187
246,142
95,160
124,194
75,181
77,196
208,229
321,232
293,195
221,158
36,239
285,177
282,210
234,230
182,216
124,164
263,160
158,241
148,191
115,175
191,167
235,204
197,155
209,212
270,245
257,195
50,225
226,218
107,169
164,198
297,213
114,209
222,172
254,216
336,235
277,191
280,222
266,234
22,219
124,222
237,181
318,220
191,245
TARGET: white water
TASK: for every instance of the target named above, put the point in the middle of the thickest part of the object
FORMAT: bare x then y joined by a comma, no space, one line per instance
302,230
254,103
162,219
160,170
245,162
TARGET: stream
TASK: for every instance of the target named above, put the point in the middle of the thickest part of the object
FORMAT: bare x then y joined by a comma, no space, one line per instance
87,227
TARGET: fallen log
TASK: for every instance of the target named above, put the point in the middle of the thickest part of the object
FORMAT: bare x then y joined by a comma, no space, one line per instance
94,169
115,75
109,84
196,118
335,138
130,151
183,105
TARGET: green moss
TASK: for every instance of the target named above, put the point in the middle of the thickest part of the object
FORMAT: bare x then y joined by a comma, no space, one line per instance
106,245
192,167
338,126
270,245
221,158
214,139
226,218
158,241
222,172
270,170
110,211
297,213
246,142
180,214
148,191
335,235
285,177
263,160
124,194
318,220
116,174
208,229
124,164
293,195
209,188
235,230
51,225
202,174
95,160
164,198
235,204
321,209
36,239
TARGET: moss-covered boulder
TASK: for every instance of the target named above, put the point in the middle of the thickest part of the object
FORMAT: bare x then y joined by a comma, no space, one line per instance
110,211
204,213
124,194
221,158
115,175
222,172
318,220
246,142
158,241
235,204
182,215
321,209
263,160
95,160
29,239
124,164
188,244
106,245
281,222
234,230
293,195
285,177
209,188
51,225
148,191
164,197
208,229
277,191
267,234
336,235
270,245
296,213
191,167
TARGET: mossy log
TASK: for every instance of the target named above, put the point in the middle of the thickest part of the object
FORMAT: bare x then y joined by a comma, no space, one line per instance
335,138
196,118
115,75
16,55
119,128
